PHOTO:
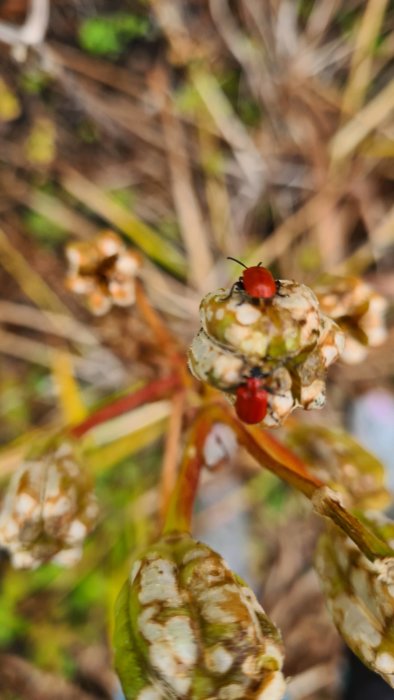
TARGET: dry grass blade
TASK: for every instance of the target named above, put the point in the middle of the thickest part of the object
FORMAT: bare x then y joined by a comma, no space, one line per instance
362,59
55,210
231,128
320,18
370,117
148,240
88,368
310,213
217,193
46,322
190,216
70,397
28,279
131,422
373,250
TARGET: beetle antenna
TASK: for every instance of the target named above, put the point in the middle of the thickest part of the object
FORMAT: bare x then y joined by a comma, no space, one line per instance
237,261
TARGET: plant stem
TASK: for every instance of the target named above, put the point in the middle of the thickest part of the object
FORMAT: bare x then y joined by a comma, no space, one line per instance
171,450
180,509
272,455
162,335
150,392
166,341
268,452
329,506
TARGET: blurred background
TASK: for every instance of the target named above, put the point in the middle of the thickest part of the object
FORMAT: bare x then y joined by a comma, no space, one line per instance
260,129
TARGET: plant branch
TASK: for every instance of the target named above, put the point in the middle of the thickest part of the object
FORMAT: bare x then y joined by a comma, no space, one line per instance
268,452
169,468
180,509
327,503
166,341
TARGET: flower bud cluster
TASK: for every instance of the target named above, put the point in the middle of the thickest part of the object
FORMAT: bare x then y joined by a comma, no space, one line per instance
104,271
48,509
186,626
359,311
286,340
360,596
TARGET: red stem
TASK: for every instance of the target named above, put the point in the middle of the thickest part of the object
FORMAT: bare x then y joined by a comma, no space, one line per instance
150,392
268,452
181,504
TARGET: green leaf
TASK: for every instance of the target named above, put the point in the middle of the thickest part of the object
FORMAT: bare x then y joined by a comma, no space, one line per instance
109,35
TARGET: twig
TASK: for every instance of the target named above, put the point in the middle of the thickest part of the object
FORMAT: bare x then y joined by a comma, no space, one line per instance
163,337
148,240
33,31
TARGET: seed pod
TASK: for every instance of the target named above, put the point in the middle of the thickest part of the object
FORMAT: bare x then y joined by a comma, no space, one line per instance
48,509
187,627
281,328
285,342
358,310
340,462
103,270
360,595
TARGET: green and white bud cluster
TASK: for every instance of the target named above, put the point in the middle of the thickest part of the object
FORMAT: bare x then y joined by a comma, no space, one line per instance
187,627
360,595
358,310
48,509
287,338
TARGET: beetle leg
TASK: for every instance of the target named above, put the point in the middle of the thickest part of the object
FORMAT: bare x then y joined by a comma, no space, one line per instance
278,286
236,285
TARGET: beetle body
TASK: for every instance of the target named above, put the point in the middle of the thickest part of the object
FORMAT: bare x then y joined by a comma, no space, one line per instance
257,282
251,401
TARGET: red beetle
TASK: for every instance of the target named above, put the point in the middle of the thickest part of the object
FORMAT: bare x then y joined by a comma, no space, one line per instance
251,401
257,281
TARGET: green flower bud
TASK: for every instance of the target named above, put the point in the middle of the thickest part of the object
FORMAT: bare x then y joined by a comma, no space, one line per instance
340,462
282,328
287,339
187,627
48,508
360,595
